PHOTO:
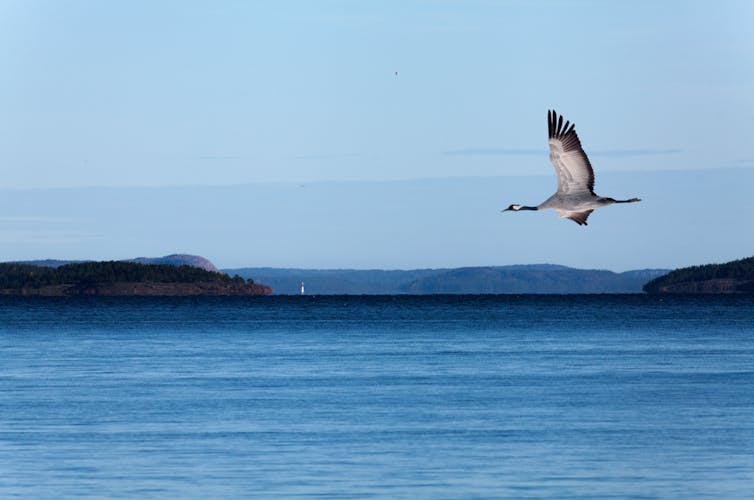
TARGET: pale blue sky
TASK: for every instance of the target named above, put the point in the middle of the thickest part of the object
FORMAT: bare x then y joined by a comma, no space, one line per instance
157,94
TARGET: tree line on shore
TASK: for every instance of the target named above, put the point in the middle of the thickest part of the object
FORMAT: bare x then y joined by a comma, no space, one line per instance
739,270
18,276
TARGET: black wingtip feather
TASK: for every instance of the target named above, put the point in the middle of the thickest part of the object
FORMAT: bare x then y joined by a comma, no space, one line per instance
556,128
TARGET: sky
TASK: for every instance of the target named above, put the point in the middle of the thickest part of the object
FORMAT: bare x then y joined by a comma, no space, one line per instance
389,107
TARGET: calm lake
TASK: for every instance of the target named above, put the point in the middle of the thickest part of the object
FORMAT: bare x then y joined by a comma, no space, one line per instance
377,397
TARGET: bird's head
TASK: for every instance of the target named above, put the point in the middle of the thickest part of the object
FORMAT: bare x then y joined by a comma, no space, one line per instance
513,207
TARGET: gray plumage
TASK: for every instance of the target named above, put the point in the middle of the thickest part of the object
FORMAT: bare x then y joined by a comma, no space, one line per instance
575,198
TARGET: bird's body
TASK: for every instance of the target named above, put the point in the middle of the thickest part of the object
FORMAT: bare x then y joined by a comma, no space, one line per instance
575,198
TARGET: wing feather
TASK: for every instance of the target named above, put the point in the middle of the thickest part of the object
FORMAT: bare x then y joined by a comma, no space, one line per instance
572,166
578,217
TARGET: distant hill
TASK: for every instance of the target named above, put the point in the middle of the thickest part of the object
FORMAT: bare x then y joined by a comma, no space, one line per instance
532,279
535,279
121,278
732,277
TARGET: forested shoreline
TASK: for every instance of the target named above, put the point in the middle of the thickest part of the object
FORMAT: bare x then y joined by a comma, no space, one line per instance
121,278
731,277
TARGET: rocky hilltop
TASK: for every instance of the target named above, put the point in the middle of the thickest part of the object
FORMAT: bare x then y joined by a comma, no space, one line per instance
118,278
732,277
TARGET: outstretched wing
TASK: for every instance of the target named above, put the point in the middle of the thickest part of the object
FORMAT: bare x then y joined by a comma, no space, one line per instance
571,164
577,217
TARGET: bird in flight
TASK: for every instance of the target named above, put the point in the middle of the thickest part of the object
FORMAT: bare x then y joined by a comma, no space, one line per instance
575,198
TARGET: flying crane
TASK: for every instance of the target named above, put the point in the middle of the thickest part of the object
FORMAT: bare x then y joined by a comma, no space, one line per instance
575,198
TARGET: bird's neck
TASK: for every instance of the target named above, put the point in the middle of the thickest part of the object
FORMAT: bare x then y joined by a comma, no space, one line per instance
524,207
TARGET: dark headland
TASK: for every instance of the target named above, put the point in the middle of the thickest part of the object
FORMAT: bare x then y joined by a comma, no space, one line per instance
731,277
119,278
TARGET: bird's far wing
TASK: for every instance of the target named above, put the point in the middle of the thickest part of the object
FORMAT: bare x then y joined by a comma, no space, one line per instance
571,164
577,217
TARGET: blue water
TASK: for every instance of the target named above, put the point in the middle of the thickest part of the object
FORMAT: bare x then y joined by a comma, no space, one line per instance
384,397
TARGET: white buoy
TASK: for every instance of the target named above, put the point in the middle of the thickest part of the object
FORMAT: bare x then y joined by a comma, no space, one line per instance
302,288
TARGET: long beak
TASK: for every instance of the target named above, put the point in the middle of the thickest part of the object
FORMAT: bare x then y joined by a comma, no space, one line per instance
505,210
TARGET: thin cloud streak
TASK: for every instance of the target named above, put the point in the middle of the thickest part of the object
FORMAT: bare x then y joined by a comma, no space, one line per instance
625,153
327,156
494,152
615,153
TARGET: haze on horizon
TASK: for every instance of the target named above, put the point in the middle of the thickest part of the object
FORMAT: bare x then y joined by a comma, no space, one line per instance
373,134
